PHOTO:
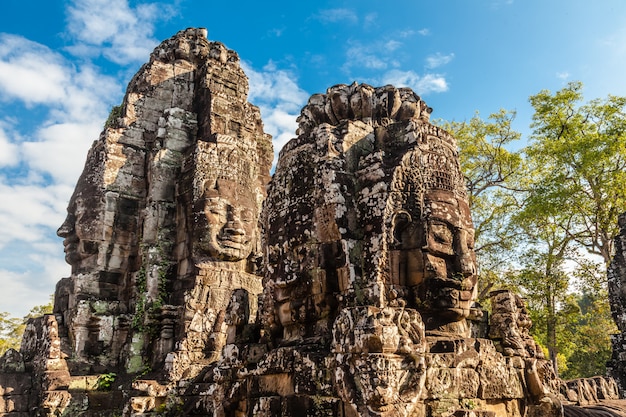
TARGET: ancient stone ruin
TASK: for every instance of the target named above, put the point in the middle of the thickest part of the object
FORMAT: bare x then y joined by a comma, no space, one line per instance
617,298
343,286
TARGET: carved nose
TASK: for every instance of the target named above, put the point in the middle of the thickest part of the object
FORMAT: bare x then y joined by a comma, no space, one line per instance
66,228
234,226
235,231
467,265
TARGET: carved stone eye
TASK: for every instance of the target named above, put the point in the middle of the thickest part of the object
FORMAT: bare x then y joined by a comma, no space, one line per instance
215,206
441,234
246,216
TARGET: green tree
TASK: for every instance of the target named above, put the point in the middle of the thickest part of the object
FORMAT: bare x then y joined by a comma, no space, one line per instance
582,151
545,284
575,190
589,337
12,328
493,175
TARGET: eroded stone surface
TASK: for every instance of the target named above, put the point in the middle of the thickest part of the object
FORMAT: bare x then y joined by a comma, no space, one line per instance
617,297
163,225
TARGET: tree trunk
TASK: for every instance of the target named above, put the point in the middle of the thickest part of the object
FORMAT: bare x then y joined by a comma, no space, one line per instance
551,330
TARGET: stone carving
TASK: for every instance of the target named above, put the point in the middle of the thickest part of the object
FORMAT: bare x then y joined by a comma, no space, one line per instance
617,297
510,325
370,201
379,356
344,288
163,225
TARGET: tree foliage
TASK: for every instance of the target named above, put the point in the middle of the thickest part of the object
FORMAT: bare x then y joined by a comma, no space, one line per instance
493,175
539,209
12,328
579,151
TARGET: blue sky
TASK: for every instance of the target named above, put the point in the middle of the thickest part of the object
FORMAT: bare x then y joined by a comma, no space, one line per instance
64,64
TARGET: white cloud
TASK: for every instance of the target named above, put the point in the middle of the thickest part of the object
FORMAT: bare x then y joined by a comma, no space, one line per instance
563,75
27,209
424,32
337,15
62,149
74,100
437,60
21,74
370,19
277,32
364,56
392,45
76,93
280,99
275,87
496,4
614,45
281,125
9,152
22,291
428,83
121,33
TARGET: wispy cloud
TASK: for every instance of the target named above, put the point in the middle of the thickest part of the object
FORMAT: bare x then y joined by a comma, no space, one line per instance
424,32
424,84
370,19
392,45
9,151
123,34
22,290
496,4
276,32
615,43
280,99
21,75
406,33
370,56
563,75
75,100
41,210
337,15
437,60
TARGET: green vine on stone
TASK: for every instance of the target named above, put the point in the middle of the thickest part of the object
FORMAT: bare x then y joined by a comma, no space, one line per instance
105,381
140,306
116,113
143,305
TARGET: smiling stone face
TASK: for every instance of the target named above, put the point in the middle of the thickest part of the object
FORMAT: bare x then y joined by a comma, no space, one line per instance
231,222
82,232
380,360
445,283
431,238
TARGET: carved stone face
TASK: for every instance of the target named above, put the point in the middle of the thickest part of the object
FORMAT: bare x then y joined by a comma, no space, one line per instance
380,363
82,232
438,259
380,378
231,220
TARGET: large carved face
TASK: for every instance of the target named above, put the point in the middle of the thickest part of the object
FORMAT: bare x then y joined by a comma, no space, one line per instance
439,263
82,231
231,219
